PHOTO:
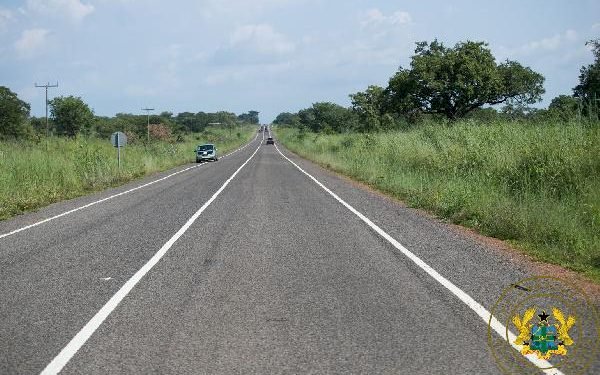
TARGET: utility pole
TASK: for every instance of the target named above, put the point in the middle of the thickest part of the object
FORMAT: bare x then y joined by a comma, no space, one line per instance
148,117
46,87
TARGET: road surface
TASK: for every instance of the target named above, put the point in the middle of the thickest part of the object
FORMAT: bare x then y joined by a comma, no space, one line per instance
245,265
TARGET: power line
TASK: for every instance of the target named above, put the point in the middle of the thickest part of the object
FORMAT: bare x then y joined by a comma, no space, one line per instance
46,87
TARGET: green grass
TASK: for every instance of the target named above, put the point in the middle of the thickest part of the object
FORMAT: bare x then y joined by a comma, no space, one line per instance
537,186
35,175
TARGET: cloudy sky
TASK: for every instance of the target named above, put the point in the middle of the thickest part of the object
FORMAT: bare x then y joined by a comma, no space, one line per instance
266,55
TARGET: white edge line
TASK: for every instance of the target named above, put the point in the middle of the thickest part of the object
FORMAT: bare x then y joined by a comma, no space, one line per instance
483,313
65,355
114,196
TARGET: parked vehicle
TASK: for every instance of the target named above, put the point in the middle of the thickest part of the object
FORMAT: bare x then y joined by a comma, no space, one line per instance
206,151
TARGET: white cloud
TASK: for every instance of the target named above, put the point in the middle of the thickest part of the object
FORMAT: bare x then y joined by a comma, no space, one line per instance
74,9
30,42
253,45
239,8
564,44
6,16
596,26
553,43
375,17
261,38
245,73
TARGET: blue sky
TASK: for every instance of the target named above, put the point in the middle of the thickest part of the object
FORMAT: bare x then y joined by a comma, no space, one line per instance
266,55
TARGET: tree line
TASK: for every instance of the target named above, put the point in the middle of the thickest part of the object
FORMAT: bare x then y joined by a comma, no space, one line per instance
451,83
71,116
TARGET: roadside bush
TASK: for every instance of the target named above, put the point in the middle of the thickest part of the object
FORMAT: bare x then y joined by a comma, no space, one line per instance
160,132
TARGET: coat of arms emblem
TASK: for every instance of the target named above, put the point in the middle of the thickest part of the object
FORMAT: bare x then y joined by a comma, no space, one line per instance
544,338
544,324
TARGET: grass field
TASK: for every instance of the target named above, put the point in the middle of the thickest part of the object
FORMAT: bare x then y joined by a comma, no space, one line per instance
537,186
32,176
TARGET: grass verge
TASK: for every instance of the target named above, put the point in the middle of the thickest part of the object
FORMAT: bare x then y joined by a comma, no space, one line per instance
536,186
33,176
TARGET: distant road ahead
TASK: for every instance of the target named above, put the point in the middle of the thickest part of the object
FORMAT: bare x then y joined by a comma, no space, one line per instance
245,265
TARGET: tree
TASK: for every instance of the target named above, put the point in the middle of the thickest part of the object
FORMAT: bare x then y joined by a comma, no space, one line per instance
327,117
191,122
455,81
307,119
13,114
368,106
226,118
166,115
484,115
38,124
105,126
588,89
251,117
399,97
564,107
133,125
286,118
70,115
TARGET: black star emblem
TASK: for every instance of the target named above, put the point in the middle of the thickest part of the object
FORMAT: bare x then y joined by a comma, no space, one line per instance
543,317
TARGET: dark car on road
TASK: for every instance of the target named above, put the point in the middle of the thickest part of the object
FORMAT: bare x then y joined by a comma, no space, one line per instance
270,141
206,152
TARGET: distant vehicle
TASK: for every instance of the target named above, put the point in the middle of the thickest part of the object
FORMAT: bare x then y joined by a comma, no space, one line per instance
270,141
206,152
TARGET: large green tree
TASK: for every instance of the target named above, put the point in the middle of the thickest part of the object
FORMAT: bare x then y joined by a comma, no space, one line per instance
225,118
251,117
455,81
287,118
70,115
368,106
588,89
13,114
327,117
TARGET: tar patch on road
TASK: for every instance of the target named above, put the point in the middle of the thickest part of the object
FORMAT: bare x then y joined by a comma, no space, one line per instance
520,287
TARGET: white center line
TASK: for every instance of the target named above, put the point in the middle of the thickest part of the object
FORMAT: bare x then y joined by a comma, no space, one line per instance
86,332
483,313
113,196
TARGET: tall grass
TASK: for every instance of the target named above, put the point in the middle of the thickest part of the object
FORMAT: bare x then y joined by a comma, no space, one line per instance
537,186
34,175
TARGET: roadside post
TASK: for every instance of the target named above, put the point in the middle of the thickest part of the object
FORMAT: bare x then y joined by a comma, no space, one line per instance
118,140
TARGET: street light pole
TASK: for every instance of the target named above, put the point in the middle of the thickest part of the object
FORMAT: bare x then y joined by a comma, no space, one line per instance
148,118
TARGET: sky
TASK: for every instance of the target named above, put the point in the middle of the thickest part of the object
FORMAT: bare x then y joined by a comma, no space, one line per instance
271,56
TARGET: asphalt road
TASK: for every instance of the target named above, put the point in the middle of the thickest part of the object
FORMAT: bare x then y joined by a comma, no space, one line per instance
273,276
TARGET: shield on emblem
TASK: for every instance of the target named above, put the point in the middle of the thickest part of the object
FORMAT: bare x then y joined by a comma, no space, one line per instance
543,338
